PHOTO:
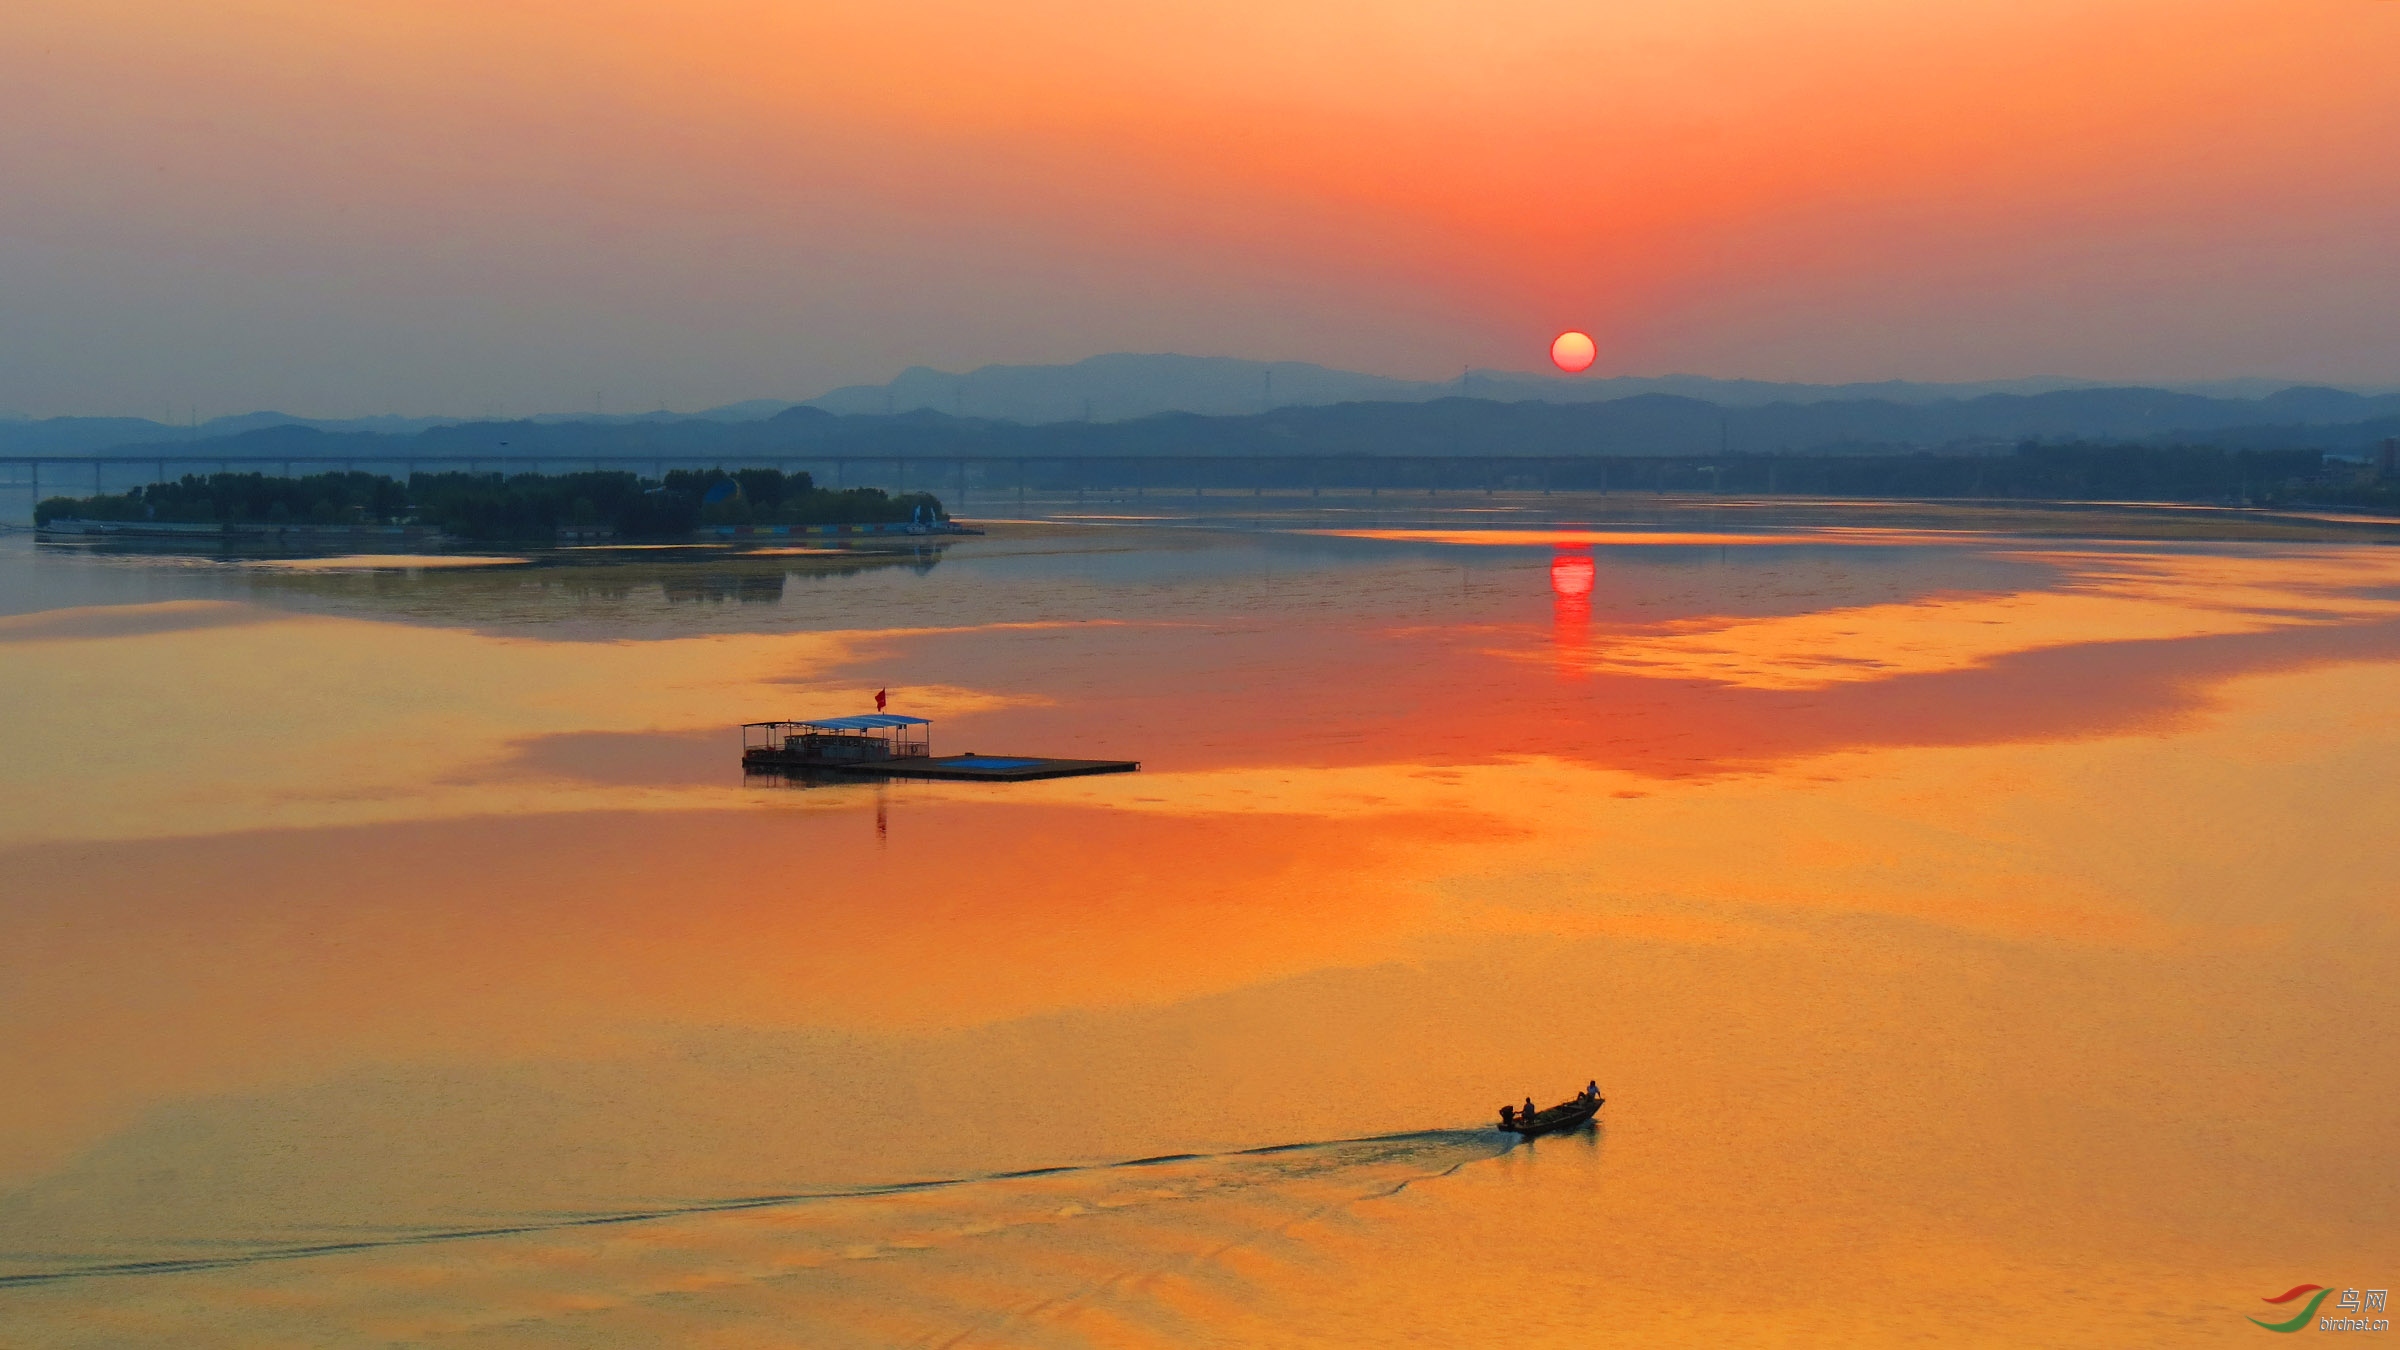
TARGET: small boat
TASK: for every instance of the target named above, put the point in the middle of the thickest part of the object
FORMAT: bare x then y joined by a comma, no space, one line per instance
1564,1116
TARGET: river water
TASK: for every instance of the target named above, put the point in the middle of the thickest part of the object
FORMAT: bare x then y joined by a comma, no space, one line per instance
1980,937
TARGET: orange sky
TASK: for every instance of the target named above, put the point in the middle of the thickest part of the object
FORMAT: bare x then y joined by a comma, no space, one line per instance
437,205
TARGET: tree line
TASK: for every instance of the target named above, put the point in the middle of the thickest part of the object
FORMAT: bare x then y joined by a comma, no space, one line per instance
489,506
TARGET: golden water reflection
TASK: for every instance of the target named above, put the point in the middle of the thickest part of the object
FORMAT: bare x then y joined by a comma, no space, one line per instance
2025,974
2103,598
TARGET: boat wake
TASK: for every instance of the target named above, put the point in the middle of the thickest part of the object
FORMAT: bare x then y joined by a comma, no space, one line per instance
1333,1153
990,1258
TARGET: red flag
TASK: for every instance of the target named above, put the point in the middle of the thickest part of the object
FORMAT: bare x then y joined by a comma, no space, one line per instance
879,699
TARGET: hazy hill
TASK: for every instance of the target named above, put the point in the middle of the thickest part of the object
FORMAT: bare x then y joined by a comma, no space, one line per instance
1125,386
1646,424
85,435
82,435
1121,387
1130,388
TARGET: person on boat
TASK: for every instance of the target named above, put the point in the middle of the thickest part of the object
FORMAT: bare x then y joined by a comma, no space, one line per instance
1591,1091
1508,1117
1526,1112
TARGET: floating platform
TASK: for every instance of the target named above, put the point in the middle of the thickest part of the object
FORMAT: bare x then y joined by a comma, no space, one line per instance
994,768
888,745
956,768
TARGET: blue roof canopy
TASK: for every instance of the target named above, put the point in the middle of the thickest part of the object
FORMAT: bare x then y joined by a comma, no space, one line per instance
866,722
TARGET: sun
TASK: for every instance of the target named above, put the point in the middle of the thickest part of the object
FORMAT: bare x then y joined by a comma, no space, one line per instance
1573,351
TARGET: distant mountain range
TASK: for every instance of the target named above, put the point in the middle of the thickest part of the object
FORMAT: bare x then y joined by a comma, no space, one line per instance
1125,404
1125,386
1646,424
87,435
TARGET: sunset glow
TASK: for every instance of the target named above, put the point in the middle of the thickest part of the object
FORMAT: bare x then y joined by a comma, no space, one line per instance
650,199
